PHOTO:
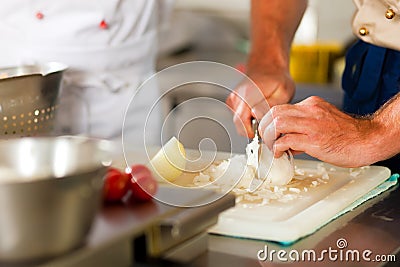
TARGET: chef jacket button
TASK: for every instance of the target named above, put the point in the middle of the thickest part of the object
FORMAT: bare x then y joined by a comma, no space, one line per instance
363,31
390,13
103,25
39,15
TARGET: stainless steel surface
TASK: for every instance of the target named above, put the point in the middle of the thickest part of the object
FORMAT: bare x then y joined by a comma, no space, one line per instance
188,250
373,225
28,99
175,229
113,240
50,191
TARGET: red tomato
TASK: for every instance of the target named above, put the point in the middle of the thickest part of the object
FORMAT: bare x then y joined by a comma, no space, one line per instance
116,185
143,185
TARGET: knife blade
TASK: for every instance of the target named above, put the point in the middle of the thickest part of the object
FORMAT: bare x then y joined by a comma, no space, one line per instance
254,125
256,183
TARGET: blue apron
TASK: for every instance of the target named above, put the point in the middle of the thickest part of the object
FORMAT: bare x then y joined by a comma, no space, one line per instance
371,77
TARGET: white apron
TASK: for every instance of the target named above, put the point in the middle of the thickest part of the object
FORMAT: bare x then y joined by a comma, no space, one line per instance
110,47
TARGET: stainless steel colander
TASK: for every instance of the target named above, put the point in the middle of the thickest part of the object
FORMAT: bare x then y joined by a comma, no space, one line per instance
28,99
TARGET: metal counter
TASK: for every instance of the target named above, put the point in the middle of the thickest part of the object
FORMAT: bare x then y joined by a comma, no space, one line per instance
123,234
143,235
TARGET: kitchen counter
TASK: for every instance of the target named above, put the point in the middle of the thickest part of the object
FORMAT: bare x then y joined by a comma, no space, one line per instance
373,226
118,237
127,232
124,233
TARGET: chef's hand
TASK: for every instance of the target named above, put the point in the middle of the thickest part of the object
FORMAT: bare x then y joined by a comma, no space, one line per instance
319,129
273,26
271,87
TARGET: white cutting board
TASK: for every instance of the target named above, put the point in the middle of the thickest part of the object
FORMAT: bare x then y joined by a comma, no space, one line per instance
287,222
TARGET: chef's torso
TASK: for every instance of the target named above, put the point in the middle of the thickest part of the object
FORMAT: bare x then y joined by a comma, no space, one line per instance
82,34
378,22
109,46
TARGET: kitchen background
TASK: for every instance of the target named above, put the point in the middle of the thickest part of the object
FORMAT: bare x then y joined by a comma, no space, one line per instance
219,31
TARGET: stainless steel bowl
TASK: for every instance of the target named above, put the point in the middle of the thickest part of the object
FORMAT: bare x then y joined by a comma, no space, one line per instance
50,191
28,99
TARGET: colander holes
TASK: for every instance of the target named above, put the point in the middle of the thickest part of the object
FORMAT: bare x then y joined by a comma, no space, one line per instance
47,117
14,124
36,112
5,126
29,129
30,114
21,123
35,120
41,119
35,128
52,108
14,117
22,116
22,130
48,109
5,132
5,118
14,132
29,121
43,111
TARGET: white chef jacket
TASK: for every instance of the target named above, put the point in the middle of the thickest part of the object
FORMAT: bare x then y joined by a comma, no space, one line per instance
378,22
110,47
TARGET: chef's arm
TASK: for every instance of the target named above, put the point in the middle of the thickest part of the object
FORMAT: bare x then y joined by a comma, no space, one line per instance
387,137
319,129
273,25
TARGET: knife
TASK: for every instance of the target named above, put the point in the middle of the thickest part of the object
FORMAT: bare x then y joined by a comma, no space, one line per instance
254,125
255,183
